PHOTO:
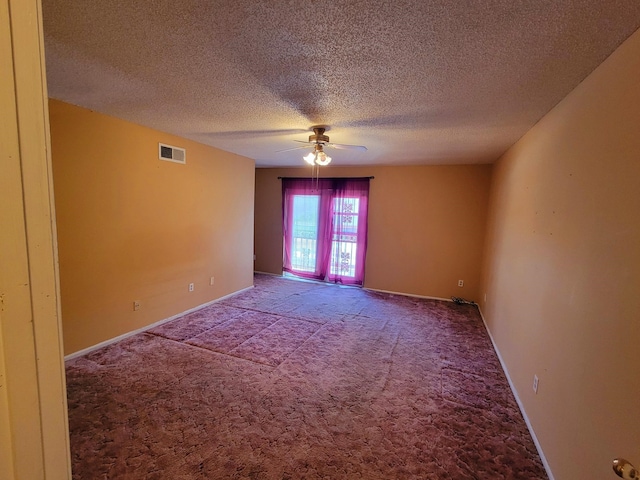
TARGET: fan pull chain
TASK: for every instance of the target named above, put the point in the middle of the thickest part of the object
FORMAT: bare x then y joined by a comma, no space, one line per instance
315,170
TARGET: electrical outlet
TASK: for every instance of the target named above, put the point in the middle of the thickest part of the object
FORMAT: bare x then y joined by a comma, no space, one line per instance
191,286
535,383
211,281
461,283
136,305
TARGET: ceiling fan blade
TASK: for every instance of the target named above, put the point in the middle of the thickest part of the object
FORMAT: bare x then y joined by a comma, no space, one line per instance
253,133
341,146
294,148
319,140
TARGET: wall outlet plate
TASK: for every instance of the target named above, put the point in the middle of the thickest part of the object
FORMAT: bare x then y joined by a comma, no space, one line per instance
535,383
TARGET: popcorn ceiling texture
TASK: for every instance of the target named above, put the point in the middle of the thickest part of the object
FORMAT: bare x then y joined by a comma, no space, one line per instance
423,81
301,380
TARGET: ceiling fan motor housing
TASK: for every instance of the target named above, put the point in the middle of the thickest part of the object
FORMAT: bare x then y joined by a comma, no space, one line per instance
318,136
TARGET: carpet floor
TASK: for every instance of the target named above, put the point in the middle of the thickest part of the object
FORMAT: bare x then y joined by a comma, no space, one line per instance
301,380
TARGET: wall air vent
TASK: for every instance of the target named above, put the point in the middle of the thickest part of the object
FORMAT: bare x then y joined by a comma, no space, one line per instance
172,154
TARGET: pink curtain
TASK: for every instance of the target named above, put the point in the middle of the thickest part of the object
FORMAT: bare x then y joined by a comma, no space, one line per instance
325,228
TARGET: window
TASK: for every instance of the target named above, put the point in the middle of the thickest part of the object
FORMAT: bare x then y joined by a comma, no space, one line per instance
325,228
305,232
344,238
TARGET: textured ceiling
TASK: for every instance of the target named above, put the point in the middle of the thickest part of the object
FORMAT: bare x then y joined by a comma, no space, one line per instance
417,82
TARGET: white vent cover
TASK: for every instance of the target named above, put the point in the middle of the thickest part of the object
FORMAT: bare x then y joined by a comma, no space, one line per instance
172,154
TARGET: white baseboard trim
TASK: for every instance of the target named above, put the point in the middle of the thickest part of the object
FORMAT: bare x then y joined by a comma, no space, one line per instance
97,346
300,279
407,294
518,401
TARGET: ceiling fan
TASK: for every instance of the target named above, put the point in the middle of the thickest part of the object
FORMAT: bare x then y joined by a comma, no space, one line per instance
318,141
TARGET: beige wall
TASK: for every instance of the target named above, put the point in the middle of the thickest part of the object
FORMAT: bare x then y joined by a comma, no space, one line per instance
134,228
562,271
426,226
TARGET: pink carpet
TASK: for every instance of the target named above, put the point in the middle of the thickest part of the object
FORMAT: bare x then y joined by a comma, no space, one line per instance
294,380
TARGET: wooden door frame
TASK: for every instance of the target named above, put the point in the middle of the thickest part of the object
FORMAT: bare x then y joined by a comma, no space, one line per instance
34,437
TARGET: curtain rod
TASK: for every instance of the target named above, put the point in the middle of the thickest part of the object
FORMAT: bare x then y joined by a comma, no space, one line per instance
325,178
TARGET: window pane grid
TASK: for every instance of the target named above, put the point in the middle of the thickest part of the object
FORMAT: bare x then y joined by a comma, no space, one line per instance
305,232
304,255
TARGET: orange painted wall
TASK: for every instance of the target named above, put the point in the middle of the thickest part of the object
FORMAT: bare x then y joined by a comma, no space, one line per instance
134,228
426,226
562,271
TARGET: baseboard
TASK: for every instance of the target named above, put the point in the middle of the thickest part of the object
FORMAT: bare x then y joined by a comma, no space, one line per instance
268,273
518,401
407,294
97,346
301,279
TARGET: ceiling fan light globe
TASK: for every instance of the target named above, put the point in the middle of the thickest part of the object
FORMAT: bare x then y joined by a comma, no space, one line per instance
323,159
309,158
